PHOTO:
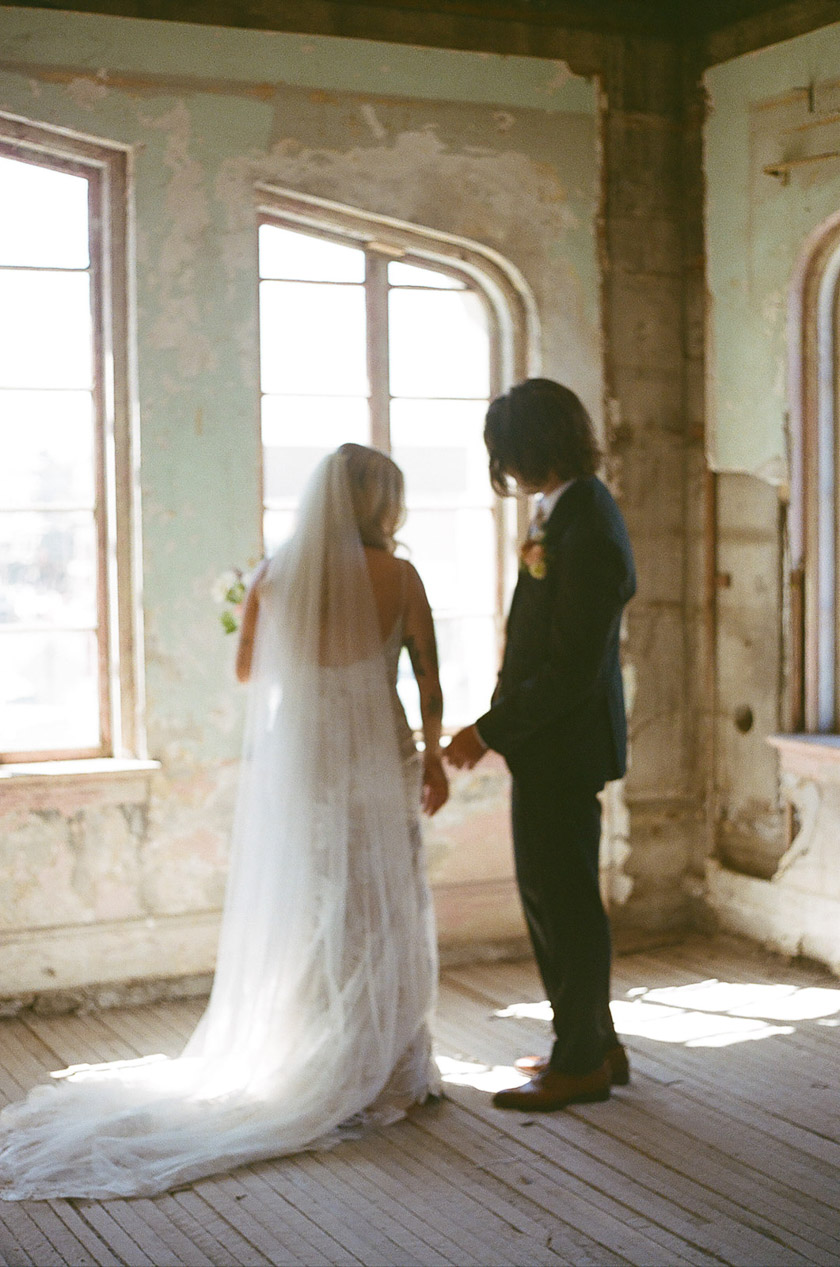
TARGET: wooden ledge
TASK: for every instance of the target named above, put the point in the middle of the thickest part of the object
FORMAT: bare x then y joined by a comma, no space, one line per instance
71,785
92,767
811,756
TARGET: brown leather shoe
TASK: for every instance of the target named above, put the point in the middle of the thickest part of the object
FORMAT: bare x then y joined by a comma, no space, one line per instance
552,1090
616,1058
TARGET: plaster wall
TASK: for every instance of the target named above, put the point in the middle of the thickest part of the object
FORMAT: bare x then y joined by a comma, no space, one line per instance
653,352
777,830
112,878
769,107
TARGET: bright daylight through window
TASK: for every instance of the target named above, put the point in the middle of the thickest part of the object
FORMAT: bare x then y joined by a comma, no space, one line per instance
397,353
52,627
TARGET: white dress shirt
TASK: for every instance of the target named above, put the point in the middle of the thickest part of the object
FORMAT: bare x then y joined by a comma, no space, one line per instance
545,506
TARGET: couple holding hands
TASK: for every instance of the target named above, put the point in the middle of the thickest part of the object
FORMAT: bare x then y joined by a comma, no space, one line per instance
318,1021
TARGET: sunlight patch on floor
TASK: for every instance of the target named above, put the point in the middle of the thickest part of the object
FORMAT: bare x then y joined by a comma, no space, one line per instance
708,1013
769,1002
470,1073
670,1023
527,1011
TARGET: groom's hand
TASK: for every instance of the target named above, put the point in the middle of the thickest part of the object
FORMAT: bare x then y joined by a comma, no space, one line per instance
465,749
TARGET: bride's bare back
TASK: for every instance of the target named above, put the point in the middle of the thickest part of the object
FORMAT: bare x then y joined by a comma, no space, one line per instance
398,594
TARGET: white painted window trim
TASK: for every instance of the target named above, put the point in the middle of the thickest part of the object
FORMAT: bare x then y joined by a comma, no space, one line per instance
125,744
814,520
498,283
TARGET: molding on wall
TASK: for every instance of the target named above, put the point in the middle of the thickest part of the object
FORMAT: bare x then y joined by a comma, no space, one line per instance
122,962
435,25
776,915
537,28
36,961
773,25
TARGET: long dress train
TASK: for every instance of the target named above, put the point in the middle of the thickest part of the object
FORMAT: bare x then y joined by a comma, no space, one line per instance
326,970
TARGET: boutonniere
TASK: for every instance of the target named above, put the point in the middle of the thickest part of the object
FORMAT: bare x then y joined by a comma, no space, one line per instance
533,558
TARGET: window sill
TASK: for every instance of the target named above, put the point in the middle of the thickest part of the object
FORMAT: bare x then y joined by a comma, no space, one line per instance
67,786
809,756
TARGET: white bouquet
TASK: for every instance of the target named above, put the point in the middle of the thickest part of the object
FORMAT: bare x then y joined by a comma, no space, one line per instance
229,591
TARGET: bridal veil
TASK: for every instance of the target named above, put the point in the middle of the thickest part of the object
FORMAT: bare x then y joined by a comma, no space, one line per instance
325,970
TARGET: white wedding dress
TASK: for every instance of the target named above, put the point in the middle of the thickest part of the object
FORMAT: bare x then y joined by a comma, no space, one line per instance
325,976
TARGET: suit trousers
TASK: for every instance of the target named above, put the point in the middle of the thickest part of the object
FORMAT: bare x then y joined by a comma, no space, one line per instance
556,838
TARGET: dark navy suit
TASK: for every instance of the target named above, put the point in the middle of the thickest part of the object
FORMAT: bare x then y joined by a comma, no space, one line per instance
557,717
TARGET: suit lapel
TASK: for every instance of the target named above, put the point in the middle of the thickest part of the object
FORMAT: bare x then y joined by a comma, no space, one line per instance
566,508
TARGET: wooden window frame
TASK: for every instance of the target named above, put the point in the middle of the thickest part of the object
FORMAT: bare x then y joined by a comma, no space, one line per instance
508,303
120,678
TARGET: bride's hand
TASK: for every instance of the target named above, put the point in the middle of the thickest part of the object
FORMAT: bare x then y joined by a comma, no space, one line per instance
435,784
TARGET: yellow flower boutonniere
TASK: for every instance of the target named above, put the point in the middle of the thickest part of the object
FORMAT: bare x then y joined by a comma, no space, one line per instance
532,557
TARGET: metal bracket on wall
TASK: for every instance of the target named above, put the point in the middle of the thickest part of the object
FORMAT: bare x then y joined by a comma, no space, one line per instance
783,169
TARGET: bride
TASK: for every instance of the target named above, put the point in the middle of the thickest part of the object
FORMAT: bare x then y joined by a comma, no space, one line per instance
318,1018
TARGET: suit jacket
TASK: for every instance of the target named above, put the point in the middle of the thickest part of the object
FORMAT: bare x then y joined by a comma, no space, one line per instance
558,708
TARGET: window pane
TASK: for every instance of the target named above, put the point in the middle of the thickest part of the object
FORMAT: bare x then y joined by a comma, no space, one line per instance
277,528
313,339
412,275
46,439
469,663
326,421
455,553
286,471
298,431
439,344
302,257
43,216
47,568
48,691
440,446
45,330
468,667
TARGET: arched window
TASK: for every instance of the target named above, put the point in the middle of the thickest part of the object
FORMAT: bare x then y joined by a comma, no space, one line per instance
66,615
815,451
378,333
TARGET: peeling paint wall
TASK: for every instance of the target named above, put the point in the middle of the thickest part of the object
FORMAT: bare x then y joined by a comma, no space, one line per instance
652,279
773,852
126,883
770,106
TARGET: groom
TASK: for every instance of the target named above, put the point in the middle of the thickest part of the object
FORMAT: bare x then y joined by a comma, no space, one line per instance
557,717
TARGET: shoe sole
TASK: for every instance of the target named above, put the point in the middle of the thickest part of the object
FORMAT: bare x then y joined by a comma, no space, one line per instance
587,1097
620,1078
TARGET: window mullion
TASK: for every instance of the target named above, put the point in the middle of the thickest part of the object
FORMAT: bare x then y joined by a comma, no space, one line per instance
60,709
833,508
100,511
376,304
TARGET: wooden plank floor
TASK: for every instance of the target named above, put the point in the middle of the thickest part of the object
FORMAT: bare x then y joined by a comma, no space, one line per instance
725,1148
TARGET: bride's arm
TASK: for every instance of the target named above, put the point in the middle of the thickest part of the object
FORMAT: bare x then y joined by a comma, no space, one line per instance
247,629
422,649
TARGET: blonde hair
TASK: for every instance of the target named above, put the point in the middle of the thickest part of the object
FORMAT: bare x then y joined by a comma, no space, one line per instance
377,490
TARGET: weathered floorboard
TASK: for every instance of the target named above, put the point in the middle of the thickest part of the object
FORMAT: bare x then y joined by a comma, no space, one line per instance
724,1149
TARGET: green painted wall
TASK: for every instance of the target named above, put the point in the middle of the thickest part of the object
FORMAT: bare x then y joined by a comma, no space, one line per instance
501,150
775,107
761,114
208,112
233,57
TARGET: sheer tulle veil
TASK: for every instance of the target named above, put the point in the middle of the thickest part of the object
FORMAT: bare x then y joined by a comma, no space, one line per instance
325,971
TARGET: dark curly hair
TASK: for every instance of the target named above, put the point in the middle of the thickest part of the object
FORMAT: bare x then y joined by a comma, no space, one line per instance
536,431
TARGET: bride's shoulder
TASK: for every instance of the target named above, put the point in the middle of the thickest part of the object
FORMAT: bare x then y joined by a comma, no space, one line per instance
383,561
412,584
